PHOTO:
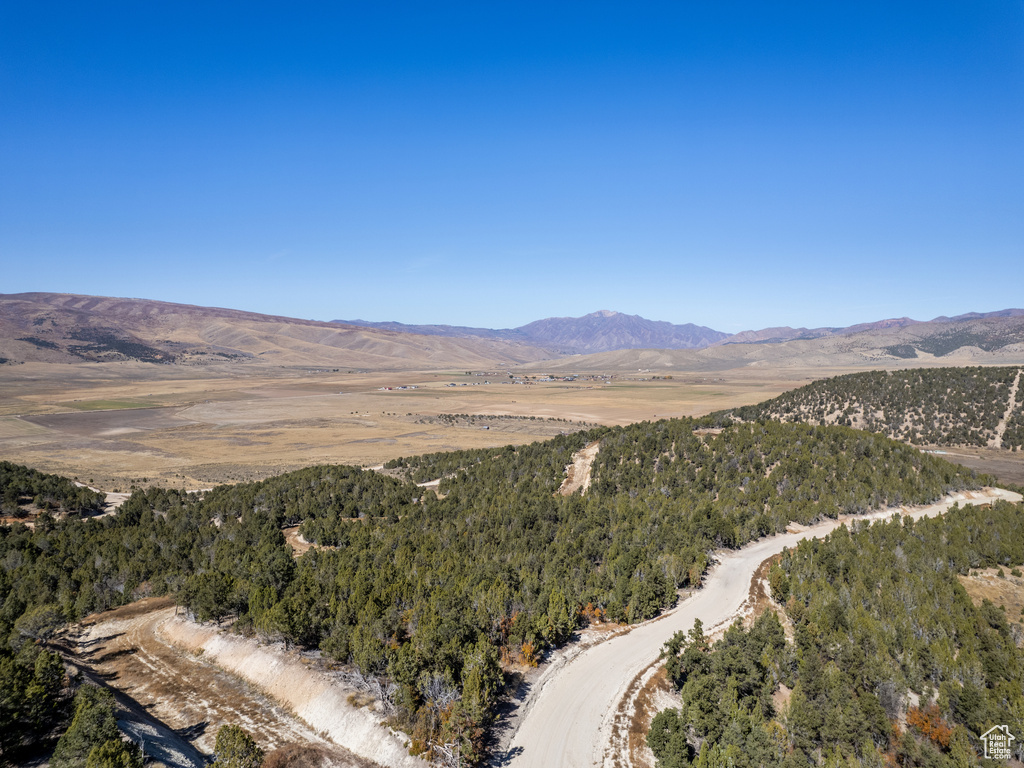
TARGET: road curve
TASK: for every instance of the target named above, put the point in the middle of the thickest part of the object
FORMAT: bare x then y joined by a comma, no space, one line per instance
568,717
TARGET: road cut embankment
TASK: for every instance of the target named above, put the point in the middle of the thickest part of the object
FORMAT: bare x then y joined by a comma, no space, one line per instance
313,695
569,716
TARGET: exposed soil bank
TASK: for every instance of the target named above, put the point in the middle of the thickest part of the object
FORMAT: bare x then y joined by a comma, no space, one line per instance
315,696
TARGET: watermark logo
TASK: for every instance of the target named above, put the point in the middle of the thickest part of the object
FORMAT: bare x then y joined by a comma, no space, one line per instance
997,742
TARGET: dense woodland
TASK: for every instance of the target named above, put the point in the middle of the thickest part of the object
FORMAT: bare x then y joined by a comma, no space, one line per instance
924,406
20,486
890,662
436,593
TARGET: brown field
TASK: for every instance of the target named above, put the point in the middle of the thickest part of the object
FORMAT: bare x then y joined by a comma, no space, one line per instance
194,428
1008,466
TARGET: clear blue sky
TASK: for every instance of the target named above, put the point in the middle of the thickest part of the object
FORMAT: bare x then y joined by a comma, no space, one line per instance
733,164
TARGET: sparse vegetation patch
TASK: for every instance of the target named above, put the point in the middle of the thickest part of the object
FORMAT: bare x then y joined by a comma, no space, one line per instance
931,406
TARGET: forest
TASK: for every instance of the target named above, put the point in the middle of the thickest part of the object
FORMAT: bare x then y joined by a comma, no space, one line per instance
880,657
20,486
923,406
439,593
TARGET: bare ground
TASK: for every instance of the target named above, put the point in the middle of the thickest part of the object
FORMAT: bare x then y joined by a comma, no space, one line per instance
1006,466
1007,592
577,474
298,544
175,701
1011,406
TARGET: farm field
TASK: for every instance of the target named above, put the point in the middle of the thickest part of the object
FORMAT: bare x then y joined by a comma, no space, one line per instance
192,429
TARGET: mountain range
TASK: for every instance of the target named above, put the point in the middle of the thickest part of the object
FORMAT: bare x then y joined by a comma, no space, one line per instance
608,331
602,331
69,328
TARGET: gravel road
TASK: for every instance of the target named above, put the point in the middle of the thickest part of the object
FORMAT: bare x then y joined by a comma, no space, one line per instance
568,716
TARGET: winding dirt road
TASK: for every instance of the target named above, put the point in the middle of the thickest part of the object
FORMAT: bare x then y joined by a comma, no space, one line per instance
569,715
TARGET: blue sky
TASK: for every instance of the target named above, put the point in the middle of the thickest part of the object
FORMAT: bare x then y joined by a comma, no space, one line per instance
733,164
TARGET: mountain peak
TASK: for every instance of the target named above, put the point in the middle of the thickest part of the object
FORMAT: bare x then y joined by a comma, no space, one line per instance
604,313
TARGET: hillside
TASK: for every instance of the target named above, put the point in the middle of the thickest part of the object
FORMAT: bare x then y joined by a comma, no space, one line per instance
636,337
940,406
441,592
63,328
67,328
880,657
785,333
991,340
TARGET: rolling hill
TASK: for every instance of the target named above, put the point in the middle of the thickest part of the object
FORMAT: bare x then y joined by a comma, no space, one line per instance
992,339
67,328
613,341
970,406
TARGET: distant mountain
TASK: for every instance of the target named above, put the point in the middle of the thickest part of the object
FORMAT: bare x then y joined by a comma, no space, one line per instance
67,328
455,331
981,316
785,333
606,331
602,331
994,338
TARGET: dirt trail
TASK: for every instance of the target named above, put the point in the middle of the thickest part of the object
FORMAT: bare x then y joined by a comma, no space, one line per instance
181,695
577,474
569,718
1011,406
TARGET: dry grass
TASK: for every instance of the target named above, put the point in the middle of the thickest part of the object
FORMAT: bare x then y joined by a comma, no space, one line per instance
653,696
1008,466
1007,592
209,426
296,756
187,695
205,426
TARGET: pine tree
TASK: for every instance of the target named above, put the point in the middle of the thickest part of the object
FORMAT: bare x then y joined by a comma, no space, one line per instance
93,724
235,748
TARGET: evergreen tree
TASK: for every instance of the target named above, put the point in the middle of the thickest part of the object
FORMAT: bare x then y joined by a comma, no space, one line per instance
93,725
235,748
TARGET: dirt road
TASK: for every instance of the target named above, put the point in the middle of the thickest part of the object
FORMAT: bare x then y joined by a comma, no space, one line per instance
570,713
577,474
175,701
1011,406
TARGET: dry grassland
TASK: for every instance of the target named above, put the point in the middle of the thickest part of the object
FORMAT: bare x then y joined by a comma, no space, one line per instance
1008,466
1007,592
194,428
118,425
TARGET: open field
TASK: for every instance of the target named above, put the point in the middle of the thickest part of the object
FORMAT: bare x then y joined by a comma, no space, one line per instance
194,428
1006,465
